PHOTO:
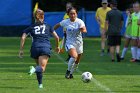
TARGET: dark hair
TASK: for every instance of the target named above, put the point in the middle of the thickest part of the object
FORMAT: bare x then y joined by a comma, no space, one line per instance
114,2
72,8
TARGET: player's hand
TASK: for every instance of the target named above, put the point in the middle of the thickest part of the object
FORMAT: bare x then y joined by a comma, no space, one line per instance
98,21
20,54
58,50
62,50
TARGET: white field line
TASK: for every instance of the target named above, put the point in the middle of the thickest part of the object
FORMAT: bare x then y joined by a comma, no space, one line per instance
103,87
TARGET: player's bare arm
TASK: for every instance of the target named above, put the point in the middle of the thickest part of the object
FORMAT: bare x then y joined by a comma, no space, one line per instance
56,26
98,20
22,44
57,41
83,29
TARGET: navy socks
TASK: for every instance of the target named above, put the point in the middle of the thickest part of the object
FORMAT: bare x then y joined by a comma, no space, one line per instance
39,74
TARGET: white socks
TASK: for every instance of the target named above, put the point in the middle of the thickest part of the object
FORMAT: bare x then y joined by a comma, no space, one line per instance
74,67
70,63
138,54
134,52
124,52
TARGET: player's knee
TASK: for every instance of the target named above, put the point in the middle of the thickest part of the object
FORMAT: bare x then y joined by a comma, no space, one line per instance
75,56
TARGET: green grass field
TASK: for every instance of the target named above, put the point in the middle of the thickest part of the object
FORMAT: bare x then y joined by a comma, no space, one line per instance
110,77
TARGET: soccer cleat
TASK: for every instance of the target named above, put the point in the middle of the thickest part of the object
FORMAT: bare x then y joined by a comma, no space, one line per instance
71,76
113,60
122,58
133,60
40,86
67,74
32,70
137,60
118,58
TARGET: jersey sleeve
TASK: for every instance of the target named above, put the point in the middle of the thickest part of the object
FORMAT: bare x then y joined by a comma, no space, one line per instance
82,24
27,30
62,23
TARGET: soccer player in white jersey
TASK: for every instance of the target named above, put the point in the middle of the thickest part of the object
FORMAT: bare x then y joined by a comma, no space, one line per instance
74,42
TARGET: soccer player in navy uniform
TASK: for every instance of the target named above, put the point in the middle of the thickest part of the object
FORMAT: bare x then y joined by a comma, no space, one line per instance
41,47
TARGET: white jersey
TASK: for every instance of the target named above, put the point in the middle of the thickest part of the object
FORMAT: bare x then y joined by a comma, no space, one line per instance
74,35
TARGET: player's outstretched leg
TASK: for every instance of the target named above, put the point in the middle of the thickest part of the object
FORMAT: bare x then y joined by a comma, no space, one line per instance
38,70
43,60
75,66
70,63
39,76
74,55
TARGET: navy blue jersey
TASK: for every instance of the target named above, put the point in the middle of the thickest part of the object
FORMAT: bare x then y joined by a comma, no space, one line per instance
40,33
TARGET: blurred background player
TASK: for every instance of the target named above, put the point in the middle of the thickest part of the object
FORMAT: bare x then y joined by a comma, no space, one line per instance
128,26
68,6
100,17
138,50
74,42
66,16
114,22
135,28
41,47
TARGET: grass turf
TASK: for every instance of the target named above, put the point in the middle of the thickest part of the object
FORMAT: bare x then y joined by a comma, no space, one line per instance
121,77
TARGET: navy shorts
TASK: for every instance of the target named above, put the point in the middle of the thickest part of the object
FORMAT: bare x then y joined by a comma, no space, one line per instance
114,40
40,51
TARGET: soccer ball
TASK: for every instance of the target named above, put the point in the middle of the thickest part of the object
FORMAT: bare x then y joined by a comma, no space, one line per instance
86,77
